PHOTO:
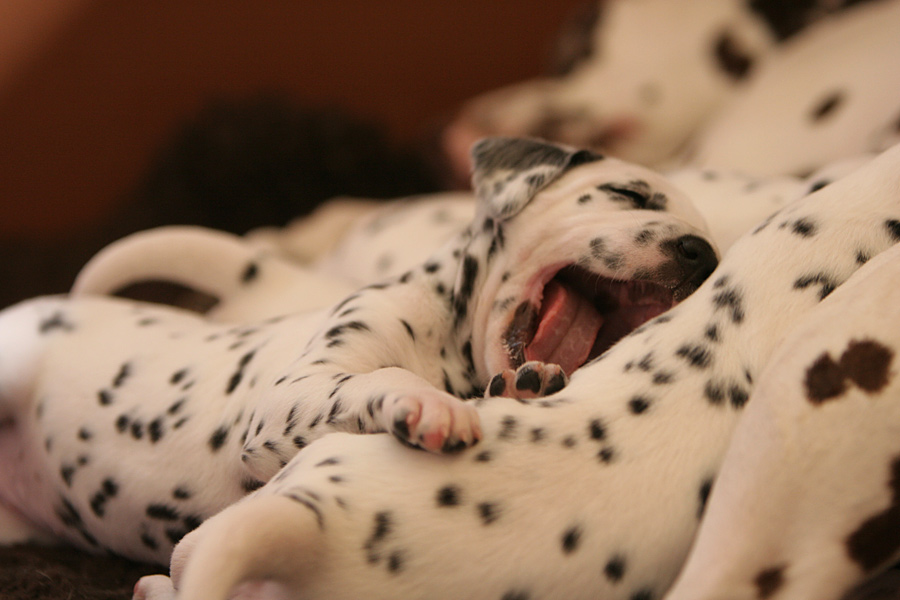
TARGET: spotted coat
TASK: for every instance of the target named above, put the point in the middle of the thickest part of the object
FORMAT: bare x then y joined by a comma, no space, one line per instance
124,425
597,489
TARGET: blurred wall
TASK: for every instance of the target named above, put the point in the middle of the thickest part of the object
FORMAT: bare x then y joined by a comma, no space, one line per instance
90,88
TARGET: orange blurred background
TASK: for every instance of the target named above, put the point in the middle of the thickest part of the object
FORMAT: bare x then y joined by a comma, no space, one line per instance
89,89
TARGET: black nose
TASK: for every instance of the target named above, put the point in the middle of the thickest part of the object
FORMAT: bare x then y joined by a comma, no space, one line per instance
696,256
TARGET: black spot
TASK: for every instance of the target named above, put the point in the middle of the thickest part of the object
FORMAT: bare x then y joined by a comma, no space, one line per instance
192,522
731,58
714,392
571,538
804,228
395,562
516,595
235,379
178,376
137,429
538,434
469,274
606,455
181,493
484,456
251,485
697,356
162,512
251,272
738,396
155,429
818,185
329,462
893,227
110,487
122,375
662,377
712,333
826,106
508,427
336,408
615,568
218,438
299,442
597,430
732,300
149,541
57,321
104,397
383,526
174,535
448,496
769,581
98,504
644,594
488,511
638,405
68,514
85,434
176,406
67,472
122,423
703,495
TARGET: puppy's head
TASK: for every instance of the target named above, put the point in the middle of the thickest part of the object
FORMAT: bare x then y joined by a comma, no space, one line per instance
639,79
570,251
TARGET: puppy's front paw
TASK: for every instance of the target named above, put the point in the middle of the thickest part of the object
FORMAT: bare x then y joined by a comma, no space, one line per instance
534,379
434,421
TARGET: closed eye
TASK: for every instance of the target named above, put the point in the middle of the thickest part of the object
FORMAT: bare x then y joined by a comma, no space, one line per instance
623,194
637,194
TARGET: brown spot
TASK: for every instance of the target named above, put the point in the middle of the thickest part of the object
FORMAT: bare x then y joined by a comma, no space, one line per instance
824,380
878,538
769,581
866,363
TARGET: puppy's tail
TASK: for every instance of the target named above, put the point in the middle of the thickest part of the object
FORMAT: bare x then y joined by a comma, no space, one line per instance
261,539
213,262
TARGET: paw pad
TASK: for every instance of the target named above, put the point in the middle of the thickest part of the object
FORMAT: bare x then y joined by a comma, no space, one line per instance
533,379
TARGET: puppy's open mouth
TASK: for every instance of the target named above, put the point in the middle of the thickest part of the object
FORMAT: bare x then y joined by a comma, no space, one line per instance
581,315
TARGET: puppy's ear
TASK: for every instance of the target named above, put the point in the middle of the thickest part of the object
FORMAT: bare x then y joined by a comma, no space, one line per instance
508,172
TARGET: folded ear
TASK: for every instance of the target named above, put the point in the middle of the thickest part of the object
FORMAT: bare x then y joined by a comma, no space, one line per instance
508,172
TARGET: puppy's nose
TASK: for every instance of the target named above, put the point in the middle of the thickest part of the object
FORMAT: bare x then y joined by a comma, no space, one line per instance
695,255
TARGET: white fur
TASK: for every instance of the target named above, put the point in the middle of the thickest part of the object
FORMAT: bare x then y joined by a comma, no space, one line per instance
540,517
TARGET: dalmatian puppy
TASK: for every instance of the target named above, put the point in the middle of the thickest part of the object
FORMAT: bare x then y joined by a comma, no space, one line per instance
593,490
806,502
125,425
832,92
644,77
224,277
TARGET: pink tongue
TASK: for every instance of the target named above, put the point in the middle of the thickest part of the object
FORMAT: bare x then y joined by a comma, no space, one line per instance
568,328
